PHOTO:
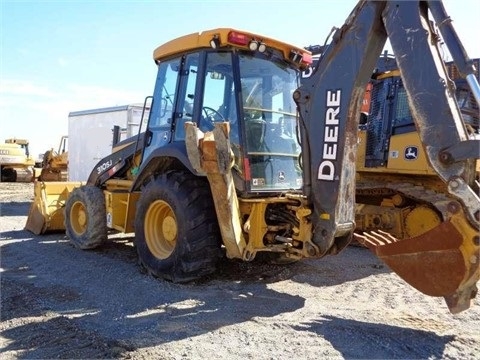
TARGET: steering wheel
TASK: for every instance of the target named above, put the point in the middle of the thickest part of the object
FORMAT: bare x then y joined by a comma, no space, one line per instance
212,116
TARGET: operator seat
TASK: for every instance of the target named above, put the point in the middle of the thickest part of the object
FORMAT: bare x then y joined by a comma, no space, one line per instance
255,129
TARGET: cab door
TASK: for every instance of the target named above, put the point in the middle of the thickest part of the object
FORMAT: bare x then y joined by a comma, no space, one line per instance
173,102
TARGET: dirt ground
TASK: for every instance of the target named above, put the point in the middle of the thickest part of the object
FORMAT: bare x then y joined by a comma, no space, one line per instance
61,302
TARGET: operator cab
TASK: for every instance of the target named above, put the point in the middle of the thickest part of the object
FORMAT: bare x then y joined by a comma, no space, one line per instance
249,87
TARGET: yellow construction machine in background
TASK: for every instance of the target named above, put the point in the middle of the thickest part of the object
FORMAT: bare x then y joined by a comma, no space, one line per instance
16,162
54,166
397,190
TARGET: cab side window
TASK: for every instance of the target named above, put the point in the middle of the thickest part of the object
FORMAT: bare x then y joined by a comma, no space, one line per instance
163,106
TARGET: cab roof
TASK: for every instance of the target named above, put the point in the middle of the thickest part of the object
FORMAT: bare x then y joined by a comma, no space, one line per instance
224,37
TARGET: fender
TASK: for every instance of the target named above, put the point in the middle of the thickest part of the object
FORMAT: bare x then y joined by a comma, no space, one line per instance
161,159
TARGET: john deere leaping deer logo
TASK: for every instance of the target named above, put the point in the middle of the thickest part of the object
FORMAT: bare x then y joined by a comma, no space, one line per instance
411,153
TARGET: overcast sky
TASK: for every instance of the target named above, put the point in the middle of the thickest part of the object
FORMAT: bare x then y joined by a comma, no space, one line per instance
63,56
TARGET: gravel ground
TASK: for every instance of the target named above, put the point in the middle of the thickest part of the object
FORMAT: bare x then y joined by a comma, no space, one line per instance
60,302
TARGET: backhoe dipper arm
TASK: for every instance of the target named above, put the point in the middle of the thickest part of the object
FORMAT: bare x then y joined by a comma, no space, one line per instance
329,104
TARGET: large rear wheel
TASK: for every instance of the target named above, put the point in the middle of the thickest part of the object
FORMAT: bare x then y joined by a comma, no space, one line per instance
85,217
176,231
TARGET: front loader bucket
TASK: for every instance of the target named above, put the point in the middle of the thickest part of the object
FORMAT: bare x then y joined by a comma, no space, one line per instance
441,262
46,211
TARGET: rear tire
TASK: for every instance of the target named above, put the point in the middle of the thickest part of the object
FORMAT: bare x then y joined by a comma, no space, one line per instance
85,217
176,231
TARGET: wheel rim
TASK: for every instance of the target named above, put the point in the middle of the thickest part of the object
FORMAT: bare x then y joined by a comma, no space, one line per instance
161,229
78,218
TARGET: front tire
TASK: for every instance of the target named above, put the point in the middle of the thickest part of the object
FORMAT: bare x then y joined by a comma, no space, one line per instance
176,231
85,217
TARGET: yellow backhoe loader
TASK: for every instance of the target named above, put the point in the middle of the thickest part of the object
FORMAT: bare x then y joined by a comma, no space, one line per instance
238,157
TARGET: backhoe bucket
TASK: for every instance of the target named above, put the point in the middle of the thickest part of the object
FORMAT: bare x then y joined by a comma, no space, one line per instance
46,211
441,262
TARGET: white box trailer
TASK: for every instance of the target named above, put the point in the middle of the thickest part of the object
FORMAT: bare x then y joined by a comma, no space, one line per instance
90,134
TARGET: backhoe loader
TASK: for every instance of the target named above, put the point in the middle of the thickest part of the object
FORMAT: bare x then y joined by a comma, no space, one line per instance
238,157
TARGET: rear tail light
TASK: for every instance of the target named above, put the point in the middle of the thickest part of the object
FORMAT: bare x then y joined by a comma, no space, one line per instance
300,58
307,58
238,38
246,169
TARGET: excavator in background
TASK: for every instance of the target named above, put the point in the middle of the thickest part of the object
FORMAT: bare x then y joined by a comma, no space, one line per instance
54,165
16,163
229,163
